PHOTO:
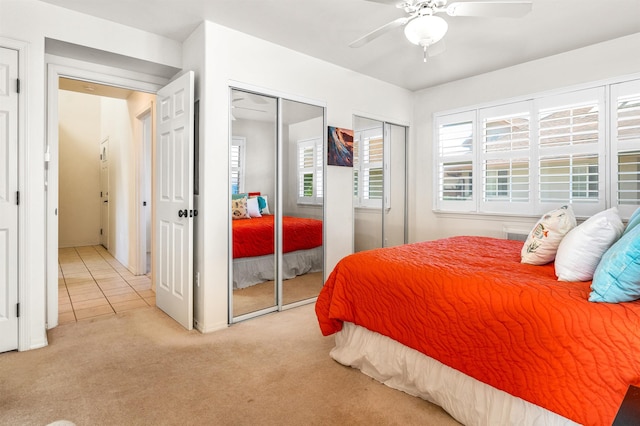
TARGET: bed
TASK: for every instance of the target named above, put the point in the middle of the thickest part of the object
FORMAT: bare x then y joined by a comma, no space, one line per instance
463,323
253,244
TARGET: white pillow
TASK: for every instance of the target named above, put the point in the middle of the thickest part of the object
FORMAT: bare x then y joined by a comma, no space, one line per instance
252,207
581,249
544,239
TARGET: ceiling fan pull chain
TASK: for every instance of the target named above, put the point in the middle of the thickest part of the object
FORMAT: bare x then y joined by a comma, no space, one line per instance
425,54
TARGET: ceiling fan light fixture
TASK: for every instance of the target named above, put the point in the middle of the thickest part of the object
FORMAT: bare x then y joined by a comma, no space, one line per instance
426,30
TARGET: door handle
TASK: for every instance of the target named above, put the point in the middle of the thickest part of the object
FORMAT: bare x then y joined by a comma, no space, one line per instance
183,213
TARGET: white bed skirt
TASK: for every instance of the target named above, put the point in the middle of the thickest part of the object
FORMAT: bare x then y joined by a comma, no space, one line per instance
466,399
248,271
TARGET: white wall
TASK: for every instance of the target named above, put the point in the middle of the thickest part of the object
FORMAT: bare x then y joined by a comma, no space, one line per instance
260,156
29,22
79,175
593,63
116,126
232,57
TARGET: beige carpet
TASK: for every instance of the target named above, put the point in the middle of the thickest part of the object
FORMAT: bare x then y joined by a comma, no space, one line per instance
141,368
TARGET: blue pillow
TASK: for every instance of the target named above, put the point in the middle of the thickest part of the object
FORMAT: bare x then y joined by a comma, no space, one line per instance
634,220
261,203
617,277
238,196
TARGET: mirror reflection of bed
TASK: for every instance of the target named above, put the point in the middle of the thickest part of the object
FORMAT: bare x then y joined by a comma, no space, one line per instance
277,212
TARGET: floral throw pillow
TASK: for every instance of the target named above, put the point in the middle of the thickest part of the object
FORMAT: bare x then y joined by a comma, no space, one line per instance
543,240
239,208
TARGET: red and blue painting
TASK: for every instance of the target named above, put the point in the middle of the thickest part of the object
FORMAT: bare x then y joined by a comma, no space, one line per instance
340,147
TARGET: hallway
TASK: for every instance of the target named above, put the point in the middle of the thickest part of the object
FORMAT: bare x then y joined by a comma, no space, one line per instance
92,283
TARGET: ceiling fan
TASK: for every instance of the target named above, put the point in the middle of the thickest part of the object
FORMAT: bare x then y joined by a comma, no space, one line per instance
424,28
250,99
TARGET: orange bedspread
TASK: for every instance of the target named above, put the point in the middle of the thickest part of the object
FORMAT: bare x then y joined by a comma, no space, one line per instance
254,237
469,303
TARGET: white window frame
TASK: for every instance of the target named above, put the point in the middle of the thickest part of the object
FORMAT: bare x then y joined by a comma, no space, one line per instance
468,205
606,149
617,146
580,207
315,170
361,167
518,109
241,144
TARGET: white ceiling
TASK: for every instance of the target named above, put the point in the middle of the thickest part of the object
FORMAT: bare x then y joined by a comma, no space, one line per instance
324,28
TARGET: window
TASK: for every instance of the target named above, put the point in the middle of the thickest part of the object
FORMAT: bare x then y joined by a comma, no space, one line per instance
238,146
310,161
455,161
571,148
368,156
625,136
532,155
506,149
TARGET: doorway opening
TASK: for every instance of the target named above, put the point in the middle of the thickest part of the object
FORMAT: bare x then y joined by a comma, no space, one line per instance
105,141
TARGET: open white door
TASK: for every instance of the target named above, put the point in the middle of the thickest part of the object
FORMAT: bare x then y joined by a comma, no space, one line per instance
174,205
8,199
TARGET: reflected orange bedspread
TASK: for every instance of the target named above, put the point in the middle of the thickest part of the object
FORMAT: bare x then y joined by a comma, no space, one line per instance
254,237
469,303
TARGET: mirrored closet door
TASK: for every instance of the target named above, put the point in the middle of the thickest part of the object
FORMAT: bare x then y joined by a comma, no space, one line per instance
379,181
277,209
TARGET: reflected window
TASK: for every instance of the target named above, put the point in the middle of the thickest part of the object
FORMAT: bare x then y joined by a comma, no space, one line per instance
310,189
238,146
368,155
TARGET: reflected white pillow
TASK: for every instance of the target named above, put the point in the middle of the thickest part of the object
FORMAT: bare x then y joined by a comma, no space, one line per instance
544,239
582,248
253,208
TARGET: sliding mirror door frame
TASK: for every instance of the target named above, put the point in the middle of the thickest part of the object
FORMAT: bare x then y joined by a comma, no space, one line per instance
277,202
376,144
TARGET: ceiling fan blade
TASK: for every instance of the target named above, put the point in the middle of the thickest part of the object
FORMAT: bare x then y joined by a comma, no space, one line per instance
379,31
249,109
390,2
258,99
498,9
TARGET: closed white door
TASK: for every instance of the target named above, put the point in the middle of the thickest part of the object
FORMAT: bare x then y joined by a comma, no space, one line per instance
9,199
174,200
104,193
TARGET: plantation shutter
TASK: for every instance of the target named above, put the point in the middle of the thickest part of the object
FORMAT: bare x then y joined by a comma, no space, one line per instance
310,162
237,165
626,145
571,157
506,148
455,136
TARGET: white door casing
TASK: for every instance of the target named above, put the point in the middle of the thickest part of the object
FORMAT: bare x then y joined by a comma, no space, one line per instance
144,193
174,200
8,199
104,193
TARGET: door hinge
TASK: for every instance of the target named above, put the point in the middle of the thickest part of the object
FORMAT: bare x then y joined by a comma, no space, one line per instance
18,310
17,198
18,85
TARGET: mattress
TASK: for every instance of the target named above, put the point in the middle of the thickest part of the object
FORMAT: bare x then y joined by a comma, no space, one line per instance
468,400
470,304
255,236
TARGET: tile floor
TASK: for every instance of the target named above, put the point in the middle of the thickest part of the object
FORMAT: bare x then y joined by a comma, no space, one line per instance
93,283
